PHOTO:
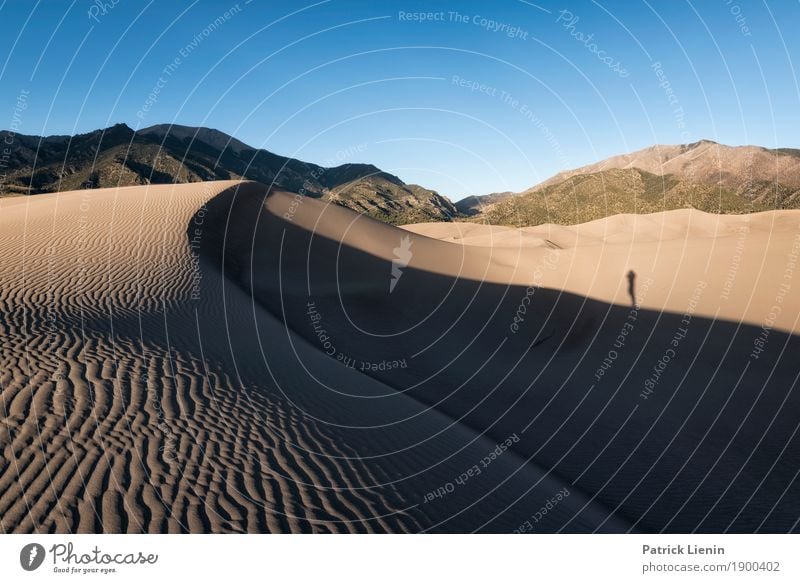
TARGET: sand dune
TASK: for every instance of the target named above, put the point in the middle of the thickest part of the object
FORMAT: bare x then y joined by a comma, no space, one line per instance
142,391
743,260
677,415
210,358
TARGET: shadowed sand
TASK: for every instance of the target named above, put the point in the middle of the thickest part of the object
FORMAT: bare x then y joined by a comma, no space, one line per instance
145,391
679,414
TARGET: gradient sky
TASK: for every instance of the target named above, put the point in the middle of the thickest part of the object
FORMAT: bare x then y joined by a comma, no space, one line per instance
480,97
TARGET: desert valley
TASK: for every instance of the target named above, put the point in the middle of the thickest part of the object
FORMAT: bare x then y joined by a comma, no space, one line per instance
201,336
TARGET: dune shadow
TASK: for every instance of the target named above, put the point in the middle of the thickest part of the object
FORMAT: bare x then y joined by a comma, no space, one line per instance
671,426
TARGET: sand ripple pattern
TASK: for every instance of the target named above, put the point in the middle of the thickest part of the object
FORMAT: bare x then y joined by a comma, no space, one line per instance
142,392
105,432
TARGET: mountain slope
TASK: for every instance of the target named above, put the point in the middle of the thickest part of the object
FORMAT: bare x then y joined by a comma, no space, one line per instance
749,171
581,198
473,205
163,154
703,175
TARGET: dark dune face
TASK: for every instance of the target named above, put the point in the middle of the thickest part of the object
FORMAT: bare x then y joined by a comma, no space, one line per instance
664,421
144,391
422,446
210,358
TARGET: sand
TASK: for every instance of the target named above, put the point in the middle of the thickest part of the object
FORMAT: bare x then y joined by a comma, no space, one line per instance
144,392
743,260
210,358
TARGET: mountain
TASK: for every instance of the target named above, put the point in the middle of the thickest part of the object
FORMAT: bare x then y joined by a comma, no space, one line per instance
587,197
164,154
703,175
472,205
214,138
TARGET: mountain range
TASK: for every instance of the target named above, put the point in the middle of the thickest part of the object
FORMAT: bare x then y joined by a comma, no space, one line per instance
705,175
164,154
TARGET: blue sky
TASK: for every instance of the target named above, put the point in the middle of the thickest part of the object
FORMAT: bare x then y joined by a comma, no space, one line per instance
463,97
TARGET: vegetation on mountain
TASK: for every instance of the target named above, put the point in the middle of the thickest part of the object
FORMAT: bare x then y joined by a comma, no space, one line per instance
164,154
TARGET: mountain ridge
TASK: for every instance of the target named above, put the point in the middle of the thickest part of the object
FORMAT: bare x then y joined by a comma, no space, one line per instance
705,174
741,177
163,154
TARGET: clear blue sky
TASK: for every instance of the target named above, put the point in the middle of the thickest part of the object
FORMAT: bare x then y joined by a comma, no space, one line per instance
474,98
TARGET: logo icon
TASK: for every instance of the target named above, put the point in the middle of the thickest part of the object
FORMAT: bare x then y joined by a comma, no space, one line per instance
31,556
402,255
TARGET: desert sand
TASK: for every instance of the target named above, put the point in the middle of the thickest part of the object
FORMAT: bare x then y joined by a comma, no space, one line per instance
142,391
215,358
743,260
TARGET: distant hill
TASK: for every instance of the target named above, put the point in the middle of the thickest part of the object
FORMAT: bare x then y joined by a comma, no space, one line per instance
586,197
704,175
163,154
472,205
